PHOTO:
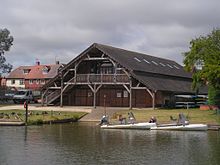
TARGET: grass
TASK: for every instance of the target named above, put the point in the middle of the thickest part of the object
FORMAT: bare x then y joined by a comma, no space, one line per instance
163,115
40,117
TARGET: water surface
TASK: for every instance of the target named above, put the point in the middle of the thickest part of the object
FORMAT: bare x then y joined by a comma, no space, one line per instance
86,143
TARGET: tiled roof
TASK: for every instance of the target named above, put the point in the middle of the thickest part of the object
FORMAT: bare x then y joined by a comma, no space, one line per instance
18,73
156,73
135,61
36,72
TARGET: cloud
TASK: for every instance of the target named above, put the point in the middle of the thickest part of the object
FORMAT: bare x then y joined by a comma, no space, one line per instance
62,29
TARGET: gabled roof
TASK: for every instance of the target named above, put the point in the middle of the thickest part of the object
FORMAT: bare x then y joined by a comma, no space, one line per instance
156,73
135,61
18,73
36,72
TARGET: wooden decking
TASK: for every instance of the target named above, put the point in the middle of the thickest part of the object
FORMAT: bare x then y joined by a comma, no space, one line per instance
11,123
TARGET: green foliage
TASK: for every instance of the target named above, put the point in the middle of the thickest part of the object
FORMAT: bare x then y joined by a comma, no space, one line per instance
5,44
35,122
214,96
203,60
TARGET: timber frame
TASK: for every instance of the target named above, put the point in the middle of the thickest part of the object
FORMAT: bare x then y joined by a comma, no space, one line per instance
143,80
73,75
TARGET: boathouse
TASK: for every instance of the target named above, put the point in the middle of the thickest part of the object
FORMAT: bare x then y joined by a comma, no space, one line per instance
107,76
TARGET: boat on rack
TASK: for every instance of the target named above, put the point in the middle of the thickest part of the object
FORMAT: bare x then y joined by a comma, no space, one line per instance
188,127
145,125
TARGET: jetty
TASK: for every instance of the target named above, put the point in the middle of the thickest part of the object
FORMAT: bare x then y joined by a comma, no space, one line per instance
11,123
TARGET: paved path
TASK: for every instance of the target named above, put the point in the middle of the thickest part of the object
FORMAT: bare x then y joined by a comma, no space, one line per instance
48,108
96,114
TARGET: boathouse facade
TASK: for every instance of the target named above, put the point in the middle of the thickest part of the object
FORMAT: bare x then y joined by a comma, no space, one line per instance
107,76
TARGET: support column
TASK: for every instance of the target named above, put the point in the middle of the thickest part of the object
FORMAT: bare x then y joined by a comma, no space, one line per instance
130,98
42,100
94,90
152,94
94,97
153,100
75,73
61,91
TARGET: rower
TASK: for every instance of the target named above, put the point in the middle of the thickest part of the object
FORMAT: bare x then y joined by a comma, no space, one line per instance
153,120
182,120
104,120
131,117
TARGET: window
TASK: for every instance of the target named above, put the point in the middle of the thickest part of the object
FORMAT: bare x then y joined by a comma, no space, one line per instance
45,70
42,81
138,60
154,62
106,70
125,93
21,82
118,94
146,61
26,71
176,67
89,94
37,81
169,65
162,64
12,81
31,81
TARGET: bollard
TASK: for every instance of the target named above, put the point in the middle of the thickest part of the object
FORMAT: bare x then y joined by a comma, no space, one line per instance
26,112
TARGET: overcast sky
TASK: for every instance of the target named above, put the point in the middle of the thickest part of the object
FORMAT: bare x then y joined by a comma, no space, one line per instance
52,30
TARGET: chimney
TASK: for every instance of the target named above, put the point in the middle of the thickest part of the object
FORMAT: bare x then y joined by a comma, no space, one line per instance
57,62
37,62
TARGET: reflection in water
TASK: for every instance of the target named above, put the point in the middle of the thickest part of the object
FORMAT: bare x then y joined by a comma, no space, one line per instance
86,143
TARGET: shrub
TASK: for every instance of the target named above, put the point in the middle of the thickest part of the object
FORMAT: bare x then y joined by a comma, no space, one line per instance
36,122
213,96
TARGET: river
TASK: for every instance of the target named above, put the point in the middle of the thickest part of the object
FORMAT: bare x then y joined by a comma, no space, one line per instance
85,143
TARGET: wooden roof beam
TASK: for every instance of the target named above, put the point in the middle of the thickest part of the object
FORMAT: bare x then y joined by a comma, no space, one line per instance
95,58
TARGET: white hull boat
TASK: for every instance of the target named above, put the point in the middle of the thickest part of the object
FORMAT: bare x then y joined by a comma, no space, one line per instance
145,125
189,127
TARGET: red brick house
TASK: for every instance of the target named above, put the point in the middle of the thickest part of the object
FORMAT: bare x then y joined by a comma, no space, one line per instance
32,77
116,77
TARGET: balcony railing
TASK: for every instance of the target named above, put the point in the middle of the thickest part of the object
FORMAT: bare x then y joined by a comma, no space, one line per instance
101,78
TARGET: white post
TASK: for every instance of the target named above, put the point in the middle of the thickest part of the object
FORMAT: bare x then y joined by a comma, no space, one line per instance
94,97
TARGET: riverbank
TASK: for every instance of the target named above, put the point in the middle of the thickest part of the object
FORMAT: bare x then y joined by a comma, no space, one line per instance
40,117
163,115
142,115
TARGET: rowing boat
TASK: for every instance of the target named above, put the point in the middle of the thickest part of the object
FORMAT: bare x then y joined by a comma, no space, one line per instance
189,127
144,125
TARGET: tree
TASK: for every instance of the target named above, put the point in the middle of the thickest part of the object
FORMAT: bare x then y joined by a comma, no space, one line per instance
5,44
203,60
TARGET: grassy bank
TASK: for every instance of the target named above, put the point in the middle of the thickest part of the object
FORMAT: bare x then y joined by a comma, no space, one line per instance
163,115
41,117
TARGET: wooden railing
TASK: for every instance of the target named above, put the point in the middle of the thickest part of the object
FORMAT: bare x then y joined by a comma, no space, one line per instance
101,78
